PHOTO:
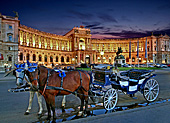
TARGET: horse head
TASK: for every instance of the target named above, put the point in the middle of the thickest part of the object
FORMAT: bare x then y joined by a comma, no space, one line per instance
20,73
32,74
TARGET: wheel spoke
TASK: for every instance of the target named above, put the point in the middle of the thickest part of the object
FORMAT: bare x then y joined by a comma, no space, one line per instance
155,85
151,90
110,99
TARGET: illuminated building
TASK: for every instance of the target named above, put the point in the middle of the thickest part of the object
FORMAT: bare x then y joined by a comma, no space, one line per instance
75,47
8,41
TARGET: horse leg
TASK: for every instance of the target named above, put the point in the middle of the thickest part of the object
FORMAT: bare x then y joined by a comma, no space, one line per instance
30,102
86,104
81,106
63,103
39,97
48,109
52,105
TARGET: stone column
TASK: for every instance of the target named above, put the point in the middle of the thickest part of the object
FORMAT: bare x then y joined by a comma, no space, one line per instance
78,57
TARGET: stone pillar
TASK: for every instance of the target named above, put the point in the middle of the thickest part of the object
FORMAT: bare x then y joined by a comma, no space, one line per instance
78,57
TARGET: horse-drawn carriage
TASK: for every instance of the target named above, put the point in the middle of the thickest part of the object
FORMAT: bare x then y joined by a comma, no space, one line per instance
106,82
103,82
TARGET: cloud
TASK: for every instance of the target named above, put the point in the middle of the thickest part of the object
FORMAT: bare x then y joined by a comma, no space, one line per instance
125,18
157,23
93,25
107,18
81,15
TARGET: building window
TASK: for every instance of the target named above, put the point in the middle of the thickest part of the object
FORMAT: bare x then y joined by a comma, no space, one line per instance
45,58
9,58
34,57
28,57
40,58
51,59
21,57
56,59
9,48
10,37
67,59
10,26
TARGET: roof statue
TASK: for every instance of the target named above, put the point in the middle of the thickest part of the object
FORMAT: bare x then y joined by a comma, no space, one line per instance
16,14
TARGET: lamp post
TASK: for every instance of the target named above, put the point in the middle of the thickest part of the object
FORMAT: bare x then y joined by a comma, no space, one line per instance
102,53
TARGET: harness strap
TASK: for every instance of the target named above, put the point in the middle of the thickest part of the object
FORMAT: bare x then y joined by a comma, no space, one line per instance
61,85
46,85
75,92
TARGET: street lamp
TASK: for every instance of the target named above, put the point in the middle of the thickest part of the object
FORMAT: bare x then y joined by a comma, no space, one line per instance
102,53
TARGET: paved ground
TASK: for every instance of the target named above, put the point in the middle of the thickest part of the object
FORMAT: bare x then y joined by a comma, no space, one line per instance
146,114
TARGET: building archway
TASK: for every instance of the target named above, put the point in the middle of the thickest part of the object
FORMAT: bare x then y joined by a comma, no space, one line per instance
87,59
62,58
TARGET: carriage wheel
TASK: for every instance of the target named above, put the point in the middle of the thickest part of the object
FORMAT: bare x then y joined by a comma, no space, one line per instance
110,99
151,90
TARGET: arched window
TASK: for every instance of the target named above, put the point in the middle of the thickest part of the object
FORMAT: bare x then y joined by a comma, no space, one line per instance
45,58
21,57
51,58
34,57
67,59
56,59
28,56
40,58
62,59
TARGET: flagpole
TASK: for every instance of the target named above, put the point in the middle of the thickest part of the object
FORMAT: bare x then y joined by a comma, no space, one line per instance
138,52
146,53
130,53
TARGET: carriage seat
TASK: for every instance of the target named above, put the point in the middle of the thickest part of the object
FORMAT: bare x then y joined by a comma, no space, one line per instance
137,74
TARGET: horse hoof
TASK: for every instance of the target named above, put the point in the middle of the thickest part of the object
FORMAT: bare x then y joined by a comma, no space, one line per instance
26,113
39,115
80,113
85,115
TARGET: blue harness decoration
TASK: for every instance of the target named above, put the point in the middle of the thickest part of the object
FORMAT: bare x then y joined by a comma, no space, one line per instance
62,74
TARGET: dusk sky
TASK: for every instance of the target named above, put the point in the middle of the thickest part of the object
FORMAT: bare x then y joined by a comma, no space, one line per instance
105,18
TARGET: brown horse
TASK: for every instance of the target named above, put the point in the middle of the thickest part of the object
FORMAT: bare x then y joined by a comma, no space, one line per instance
50,84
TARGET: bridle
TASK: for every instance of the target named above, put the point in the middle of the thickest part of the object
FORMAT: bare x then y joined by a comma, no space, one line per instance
19,77
34,79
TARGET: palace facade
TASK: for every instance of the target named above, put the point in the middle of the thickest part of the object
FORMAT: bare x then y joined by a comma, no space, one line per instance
77,46
19,43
